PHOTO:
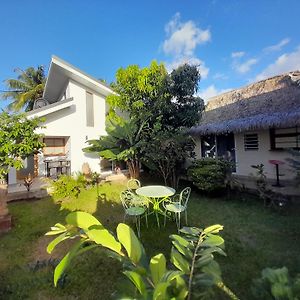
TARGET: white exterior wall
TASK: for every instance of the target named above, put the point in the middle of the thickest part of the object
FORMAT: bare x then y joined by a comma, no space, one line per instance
71,122
244,159
247,158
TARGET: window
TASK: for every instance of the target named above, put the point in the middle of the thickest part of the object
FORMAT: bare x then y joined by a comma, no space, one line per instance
284,138
250,141
54,146
89,110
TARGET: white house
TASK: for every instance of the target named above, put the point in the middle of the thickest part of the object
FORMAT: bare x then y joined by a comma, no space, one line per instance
74,108
256,124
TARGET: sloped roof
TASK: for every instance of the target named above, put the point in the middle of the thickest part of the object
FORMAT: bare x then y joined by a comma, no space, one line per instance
273,102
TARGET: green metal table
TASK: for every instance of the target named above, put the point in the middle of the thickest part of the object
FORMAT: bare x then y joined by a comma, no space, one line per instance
156,195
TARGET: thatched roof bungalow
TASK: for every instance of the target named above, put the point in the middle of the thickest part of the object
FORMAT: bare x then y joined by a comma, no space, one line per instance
253,124
274,102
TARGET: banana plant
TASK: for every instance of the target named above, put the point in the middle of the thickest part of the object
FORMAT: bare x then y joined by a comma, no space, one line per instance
192,261
120,144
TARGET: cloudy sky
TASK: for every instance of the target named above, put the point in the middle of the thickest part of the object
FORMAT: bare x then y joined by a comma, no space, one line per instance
233,42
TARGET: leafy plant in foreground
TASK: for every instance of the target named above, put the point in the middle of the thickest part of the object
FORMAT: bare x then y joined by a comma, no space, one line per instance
276,284
194,271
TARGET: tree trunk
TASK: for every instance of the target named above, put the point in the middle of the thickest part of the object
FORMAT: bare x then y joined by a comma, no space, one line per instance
134,168
5,218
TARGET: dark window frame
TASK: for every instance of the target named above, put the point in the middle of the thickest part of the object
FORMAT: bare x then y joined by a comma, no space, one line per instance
273,137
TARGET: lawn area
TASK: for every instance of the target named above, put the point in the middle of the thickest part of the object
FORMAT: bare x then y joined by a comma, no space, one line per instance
255,238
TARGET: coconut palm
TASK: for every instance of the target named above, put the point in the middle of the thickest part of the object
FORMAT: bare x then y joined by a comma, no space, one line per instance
24,90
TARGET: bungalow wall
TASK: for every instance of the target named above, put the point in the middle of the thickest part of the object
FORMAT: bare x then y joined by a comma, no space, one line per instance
246,158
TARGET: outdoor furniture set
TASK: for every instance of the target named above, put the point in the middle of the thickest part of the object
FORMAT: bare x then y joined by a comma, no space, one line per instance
143,201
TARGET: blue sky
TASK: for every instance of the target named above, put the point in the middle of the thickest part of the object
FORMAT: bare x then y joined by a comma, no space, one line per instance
235,42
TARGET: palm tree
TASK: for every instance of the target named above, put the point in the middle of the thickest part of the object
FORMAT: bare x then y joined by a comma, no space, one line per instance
24,90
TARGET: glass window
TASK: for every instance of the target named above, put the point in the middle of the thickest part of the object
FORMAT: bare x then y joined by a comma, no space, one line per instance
284,138
89,110
54,146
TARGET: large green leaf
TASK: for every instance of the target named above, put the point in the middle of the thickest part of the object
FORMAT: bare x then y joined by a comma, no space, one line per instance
212,240
81,219
213,229
94,230
160,291
138,282
56,241
157,267
64,263
179,262
130,242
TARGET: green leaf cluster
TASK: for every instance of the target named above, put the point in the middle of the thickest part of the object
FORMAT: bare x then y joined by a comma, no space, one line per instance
193,270
18,140
276,284
209,174
24,90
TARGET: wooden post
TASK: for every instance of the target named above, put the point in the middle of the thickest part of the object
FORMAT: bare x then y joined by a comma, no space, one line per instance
5,217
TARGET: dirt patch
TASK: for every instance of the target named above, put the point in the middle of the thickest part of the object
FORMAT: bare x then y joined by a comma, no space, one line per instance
40,253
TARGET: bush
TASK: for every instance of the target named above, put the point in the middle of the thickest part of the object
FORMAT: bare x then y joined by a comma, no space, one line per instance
209,174
66,187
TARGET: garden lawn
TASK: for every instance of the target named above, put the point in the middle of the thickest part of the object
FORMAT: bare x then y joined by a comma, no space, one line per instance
255,238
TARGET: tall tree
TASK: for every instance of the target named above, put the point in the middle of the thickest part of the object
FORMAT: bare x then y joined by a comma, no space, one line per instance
24,90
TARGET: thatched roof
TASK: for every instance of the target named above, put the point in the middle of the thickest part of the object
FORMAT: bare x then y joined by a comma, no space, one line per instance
274,102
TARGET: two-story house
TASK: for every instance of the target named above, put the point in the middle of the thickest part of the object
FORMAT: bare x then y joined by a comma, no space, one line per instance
74,109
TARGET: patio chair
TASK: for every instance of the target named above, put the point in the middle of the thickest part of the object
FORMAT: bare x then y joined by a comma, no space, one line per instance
177,205
133,209
133,184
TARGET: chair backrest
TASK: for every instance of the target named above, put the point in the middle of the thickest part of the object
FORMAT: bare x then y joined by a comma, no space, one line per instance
126,198
133,184
185,196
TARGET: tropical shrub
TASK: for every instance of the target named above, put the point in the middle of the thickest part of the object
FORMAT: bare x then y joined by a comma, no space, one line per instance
294,163
209,174
193,272
276,284
67,187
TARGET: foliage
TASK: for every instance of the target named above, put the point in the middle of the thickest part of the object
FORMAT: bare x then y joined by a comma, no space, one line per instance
261,179
166,153
121,144
209,174
139,90
24,90
276,284
295,164
67,187
166,105
255,238
18,140
153,280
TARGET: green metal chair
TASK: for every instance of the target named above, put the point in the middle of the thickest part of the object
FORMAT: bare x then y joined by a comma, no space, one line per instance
133,209
177,205
133,184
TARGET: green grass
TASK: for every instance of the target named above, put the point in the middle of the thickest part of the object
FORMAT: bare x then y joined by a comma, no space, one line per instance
255,238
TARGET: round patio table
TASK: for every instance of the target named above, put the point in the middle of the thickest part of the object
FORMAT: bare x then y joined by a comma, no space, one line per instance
156,194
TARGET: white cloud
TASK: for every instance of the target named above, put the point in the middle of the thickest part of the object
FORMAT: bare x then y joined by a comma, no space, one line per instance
284,63
278,46
238,54
182,39
210,92
192,61
245,66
